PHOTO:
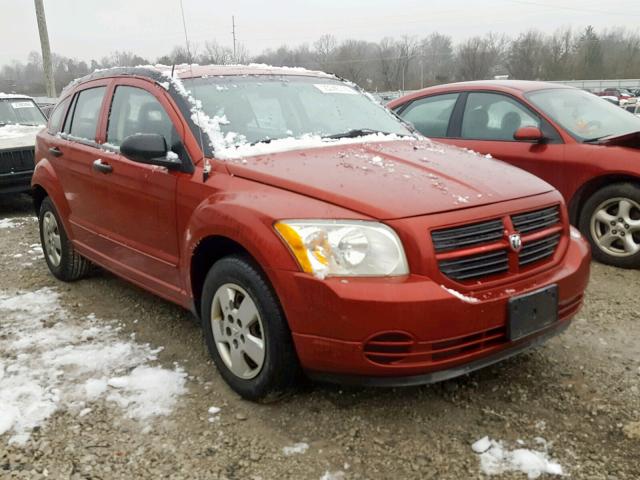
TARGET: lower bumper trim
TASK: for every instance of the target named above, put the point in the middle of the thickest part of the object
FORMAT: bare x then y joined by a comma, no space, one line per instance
441,375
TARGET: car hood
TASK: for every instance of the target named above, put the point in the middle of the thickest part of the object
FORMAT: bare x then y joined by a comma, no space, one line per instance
631,140
17,136
393,179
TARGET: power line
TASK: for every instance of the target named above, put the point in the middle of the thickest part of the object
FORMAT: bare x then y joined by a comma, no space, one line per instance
574,9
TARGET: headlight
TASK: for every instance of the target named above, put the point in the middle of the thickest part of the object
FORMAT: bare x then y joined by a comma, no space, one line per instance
344,248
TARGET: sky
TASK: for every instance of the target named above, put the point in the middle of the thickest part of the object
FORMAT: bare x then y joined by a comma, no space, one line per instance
86,29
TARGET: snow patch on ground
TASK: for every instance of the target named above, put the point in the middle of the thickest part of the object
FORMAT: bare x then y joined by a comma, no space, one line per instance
296,448
52,360
495,459
461,296
339,475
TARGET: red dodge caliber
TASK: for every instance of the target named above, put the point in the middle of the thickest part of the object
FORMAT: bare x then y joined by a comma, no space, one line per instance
305,225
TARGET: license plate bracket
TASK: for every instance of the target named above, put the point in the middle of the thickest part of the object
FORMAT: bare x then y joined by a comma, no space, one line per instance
532,312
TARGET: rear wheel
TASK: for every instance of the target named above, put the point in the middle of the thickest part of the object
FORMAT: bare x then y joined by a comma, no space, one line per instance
245,330
610,219
63,261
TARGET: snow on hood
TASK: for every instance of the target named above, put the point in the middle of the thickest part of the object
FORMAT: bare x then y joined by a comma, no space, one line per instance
16,136
391,179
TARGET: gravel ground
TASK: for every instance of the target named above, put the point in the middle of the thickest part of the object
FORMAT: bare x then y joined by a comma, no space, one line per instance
580,392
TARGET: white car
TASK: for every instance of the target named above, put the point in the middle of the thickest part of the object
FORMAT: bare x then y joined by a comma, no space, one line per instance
20,121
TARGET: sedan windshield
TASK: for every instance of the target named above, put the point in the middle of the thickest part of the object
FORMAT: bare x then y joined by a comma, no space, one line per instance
585,116
261,108
21,111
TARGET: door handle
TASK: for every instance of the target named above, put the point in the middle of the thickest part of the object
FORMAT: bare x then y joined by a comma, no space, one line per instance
98,166
55,151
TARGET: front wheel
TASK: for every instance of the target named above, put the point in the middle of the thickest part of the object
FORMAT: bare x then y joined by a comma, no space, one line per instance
610,219
245,330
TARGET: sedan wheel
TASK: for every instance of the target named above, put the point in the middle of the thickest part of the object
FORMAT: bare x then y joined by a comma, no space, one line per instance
238,331
615,227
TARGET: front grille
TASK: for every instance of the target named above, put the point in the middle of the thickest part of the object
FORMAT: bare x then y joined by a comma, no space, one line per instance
475,266
533,221
481,251
16,160
538,250
467,236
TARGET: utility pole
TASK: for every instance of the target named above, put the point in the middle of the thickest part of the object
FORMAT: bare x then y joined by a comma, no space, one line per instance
233,32
46,50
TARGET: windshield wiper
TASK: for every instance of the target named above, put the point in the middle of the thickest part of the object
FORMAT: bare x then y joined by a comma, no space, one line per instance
356,132
595,139
264,140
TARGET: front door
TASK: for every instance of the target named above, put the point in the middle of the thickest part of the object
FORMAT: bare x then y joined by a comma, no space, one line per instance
488,124
140,206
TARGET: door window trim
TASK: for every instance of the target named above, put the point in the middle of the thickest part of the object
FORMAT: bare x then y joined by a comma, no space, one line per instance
64,133
551,133
156,90
400,109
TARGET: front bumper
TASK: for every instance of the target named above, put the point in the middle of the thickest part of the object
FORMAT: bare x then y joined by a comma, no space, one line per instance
15,182
422,332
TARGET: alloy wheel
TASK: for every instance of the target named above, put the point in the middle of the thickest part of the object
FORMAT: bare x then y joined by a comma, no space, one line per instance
615,227
237,331
51,238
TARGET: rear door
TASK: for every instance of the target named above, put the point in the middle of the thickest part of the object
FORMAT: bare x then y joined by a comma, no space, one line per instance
72,153
139,210
488,123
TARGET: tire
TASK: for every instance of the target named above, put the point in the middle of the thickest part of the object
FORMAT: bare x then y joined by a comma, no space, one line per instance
63,261
234,345
610,220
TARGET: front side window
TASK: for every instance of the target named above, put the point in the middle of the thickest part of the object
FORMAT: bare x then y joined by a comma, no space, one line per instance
492,116
86,113
57,116
134,110
261,108
431,115
585,116
20,111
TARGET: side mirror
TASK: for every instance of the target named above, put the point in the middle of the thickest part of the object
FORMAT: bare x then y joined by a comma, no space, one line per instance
150,148
529,134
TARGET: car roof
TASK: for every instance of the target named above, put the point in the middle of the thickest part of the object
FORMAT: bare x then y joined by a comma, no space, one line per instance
14,96
509,86
160,73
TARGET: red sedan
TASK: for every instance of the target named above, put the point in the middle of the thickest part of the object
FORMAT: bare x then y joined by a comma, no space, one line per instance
582,145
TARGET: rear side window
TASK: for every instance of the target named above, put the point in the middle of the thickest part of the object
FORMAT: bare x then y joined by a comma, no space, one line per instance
431,115
86,113
134,110
57,116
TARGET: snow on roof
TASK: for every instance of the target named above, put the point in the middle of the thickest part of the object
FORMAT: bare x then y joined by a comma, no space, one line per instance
14,95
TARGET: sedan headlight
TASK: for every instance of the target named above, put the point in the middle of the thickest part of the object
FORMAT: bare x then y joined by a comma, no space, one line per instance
344,248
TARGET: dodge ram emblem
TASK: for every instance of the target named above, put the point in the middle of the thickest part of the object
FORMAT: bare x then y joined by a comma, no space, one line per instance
515,242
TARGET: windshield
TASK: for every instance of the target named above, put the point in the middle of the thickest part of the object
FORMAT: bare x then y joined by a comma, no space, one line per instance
20,111
261,108
585,116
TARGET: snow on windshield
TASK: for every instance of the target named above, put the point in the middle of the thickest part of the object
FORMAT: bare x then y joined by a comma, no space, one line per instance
279,113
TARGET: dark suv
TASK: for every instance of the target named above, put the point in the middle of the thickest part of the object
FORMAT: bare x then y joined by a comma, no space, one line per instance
20,121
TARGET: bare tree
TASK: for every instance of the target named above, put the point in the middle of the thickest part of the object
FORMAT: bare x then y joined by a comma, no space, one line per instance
436,59
480,57
525,56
